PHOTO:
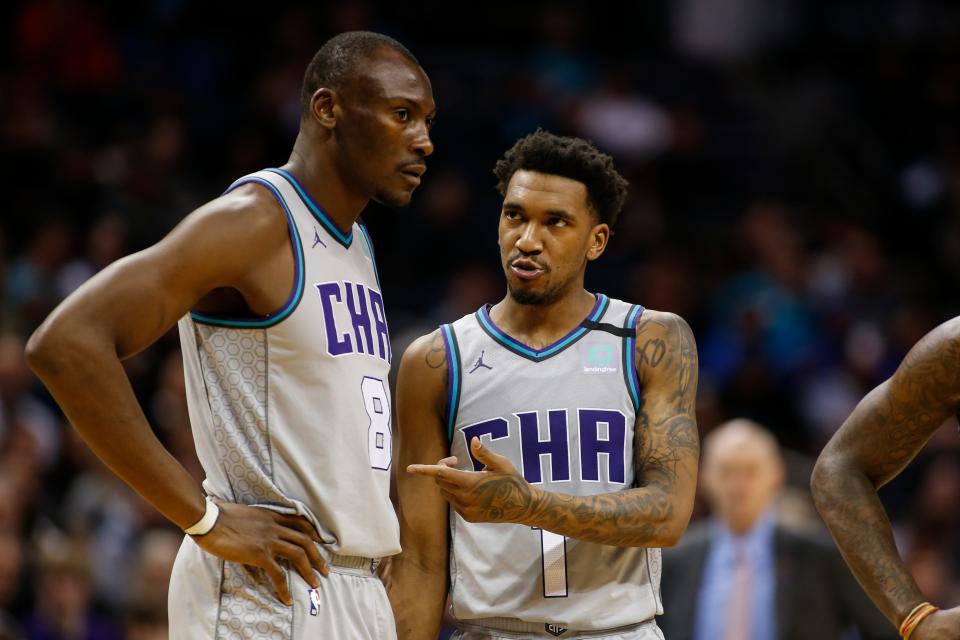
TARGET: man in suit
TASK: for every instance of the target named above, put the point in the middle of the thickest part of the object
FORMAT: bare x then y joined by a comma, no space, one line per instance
740,576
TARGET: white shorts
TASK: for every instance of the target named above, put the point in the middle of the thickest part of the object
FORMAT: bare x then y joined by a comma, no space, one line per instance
213,599
501,629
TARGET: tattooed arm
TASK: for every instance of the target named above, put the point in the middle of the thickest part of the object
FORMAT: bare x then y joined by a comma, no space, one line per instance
418,576
882,435
653,513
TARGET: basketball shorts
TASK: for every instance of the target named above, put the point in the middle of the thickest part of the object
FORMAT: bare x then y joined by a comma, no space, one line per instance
210,598
507,629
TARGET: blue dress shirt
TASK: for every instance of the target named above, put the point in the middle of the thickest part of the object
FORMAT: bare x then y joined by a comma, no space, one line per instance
715,588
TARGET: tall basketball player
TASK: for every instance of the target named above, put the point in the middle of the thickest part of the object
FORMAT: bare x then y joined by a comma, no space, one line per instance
883,434
286,354
564,426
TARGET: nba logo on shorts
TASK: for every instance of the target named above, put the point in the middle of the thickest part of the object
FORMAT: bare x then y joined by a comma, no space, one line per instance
555,629
314,601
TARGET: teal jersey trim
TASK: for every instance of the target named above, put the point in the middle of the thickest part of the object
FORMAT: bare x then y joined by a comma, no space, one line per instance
344,238
453,377
260,322
373,258
629,357
538,355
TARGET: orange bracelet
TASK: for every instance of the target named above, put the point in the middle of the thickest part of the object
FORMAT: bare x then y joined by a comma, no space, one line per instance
915,617
910,615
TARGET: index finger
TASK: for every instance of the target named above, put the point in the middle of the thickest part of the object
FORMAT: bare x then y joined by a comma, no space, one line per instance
444,473
432,470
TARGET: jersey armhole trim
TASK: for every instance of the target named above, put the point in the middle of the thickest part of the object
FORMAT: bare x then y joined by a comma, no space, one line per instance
630,376
453,377
293,300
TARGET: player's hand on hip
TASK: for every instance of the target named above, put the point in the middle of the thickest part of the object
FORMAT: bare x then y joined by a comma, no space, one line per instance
261,538
939,625
498,493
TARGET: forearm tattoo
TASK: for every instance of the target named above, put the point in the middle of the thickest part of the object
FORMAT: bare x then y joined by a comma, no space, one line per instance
666,449
883,434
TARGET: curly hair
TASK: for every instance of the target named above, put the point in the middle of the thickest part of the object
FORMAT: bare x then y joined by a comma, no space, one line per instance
573,158
340,57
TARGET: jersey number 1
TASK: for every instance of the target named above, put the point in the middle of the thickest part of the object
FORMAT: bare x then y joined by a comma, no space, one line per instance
379,433
554,559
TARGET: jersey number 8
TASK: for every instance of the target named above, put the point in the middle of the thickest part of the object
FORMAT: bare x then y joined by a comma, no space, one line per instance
379,433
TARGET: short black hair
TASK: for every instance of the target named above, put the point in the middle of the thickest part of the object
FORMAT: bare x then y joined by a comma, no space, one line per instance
339,59
573,158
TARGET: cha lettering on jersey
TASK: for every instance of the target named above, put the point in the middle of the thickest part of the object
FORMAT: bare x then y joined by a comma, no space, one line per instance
602,437
363,326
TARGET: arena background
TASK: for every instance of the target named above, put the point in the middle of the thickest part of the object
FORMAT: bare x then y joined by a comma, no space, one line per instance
795,185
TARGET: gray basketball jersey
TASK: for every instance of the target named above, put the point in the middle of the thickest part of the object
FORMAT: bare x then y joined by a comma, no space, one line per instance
293,409
564,415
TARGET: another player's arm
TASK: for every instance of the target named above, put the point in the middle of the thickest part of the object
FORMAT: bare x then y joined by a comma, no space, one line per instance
77,353
882,435
654,513
418,579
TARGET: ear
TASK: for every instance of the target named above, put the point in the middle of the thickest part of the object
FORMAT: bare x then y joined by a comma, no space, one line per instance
323,105
599,236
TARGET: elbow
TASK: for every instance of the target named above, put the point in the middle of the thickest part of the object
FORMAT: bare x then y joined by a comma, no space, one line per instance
673,531
49,348
828,473
40,350
670,539
668,531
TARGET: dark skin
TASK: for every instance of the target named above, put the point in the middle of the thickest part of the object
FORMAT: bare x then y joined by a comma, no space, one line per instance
548,233
882,435
231,255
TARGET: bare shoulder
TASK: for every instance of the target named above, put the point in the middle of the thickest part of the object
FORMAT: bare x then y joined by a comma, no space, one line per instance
664,341
663,324
249,211
426,357
226,238
422,379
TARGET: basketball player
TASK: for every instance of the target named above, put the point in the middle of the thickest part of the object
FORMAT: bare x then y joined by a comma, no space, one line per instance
568,419
882,435
286,354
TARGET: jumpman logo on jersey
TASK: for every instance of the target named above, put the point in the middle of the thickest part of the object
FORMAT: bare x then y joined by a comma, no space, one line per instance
480,364
317,240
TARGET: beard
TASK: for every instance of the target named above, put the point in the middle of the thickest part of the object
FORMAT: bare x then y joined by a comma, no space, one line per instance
535,298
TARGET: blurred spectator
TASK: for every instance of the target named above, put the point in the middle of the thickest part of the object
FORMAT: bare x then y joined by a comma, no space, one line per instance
11,573
31,280
152,566
145,622
622,122
19,409
63,609
742,575
106,242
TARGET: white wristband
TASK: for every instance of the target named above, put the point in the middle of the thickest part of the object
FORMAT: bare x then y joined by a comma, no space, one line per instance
205,524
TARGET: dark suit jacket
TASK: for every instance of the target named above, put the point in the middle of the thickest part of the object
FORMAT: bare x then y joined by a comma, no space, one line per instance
817,596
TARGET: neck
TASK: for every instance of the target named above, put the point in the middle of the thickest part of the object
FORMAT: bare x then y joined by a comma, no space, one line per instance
541,324
314,167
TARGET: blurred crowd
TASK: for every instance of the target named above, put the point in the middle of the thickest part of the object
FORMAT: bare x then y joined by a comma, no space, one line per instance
795,191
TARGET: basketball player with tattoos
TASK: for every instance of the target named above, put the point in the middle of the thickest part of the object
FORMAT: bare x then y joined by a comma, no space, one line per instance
882,435
564,426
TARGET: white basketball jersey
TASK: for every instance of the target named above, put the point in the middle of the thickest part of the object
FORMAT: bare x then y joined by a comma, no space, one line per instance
293,409
565,416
